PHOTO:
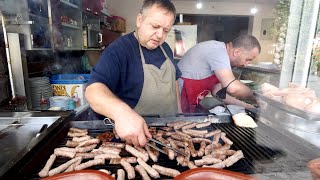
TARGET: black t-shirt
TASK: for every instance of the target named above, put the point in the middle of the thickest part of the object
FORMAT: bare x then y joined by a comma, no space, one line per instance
120,67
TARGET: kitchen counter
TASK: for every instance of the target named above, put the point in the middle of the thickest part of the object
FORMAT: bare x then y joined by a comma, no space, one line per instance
261,69
310,142
258,75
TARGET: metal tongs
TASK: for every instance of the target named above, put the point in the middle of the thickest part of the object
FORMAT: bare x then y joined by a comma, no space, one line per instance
108,121
164,145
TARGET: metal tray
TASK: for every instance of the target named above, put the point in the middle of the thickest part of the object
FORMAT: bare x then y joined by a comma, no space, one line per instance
287,108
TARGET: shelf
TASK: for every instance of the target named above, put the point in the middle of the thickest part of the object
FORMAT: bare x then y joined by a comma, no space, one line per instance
70,48
69,4
38,16
71,26
92,49
39,49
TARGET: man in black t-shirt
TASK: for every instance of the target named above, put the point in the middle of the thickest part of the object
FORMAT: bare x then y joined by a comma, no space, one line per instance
136,75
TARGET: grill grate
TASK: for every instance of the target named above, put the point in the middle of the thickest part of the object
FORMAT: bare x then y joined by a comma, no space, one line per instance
243,165
265,150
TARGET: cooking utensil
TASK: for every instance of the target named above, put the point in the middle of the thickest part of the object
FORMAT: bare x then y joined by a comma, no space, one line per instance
108,121
210,102
166,146
239,118
44,127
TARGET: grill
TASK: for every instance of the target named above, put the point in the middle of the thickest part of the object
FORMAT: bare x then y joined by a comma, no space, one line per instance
265,149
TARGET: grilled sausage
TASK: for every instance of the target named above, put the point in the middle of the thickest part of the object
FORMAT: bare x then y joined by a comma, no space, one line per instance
199,140
80,139
72,166
212,133
77,134
110,150
63,167
206,161
136,153
189,126
142,172
152,172
120,174
73,129
179,126
202,125
234,158
89,164
202,148
44,172
153,154
128,159
85,148
113,144
89,155
130,170
195,133
191,165
88,142
72,144
166,171
106,156
225,139
68,154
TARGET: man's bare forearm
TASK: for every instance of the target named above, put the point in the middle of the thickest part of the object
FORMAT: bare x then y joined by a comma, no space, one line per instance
241,91
104,102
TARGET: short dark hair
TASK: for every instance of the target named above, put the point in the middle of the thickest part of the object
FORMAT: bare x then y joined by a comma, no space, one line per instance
247,42
165,4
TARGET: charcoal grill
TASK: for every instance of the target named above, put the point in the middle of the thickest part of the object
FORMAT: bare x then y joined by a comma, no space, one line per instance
265,149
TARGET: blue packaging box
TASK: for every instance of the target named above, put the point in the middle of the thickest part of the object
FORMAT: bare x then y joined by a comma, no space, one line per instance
69,78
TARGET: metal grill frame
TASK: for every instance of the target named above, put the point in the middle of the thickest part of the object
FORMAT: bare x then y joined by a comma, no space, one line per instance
291,154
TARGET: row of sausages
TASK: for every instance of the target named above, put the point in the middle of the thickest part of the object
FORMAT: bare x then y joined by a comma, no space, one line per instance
214,151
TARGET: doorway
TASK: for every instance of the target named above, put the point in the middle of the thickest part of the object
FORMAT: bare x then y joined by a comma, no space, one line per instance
217,27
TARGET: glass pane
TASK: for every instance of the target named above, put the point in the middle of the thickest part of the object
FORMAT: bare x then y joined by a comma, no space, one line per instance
314,76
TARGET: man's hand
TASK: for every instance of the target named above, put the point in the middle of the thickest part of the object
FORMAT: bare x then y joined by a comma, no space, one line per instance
133,129
128,124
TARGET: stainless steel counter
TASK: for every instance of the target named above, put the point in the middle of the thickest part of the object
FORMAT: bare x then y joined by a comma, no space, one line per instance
20,132
308,130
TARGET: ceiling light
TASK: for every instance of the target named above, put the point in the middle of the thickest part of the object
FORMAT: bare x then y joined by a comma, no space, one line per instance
199,5
253,10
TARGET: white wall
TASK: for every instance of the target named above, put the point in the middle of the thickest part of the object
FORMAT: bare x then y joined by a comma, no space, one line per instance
130,8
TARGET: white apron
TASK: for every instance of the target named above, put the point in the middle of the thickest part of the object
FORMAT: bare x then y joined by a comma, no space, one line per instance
158,96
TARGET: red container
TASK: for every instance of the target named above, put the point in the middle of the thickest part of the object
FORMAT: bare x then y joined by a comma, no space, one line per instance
207,173
81,175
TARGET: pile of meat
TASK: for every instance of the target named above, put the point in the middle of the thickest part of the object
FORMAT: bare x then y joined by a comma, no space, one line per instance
85,151
295,95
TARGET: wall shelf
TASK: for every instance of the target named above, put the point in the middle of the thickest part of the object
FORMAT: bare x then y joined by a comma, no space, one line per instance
66,3
38,16
71,26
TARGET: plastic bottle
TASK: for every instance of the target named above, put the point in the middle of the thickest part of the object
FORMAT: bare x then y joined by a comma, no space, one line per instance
71,104
44,103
